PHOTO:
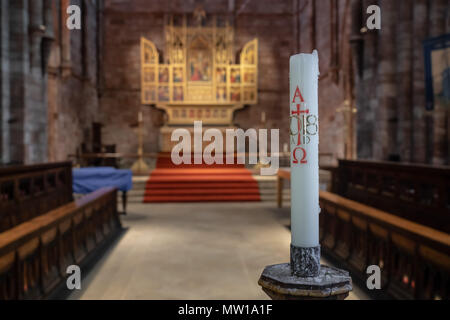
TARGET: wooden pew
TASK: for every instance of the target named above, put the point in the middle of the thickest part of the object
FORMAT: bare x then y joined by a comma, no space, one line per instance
35,254
414,259
419,193
29,191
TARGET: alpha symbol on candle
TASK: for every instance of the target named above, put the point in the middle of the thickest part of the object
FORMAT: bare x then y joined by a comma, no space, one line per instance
298,94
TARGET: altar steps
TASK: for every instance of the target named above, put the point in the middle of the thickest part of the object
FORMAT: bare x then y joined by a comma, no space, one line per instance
185,186
212,185
267,188
199,183
200,198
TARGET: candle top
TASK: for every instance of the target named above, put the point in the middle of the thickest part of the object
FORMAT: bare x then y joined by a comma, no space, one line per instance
314,56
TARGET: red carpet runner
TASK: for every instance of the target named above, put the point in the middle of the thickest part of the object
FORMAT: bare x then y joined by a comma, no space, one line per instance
199,183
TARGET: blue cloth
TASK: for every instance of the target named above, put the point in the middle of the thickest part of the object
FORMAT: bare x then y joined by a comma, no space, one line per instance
87,180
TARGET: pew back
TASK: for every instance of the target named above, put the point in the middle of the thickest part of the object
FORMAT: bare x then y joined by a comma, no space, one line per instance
29,191
415,192
35,254
414,259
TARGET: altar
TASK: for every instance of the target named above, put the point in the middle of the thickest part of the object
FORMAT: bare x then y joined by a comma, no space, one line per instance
198,78
219,116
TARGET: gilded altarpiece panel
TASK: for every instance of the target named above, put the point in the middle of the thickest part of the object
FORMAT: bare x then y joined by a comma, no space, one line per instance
199,78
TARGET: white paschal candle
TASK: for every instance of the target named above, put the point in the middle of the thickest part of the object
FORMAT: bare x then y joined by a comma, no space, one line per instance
304,122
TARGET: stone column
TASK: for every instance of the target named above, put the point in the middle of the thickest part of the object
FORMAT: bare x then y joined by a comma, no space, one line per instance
404,79
50,48
385,141
347,52
35,124
438,15
36,31
364,45
312,25
420,31
4,82
48,37
53,79
65,40
19,69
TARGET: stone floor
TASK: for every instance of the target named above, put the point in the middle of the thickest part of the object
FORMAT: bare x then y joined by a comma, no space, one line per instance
192,251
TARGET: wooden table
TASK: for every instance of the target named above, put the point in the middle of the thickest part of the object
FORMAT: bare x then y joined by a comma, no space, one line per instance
282,174
87,180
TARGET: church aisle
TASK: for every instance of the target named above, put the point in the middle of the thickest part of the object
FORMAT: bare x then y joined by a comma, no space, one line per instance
191,251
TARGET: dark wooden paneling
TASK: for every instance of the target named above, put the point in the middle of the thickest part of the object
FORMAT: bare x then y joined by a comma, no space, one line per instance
35,254
29,191
415,192
414,259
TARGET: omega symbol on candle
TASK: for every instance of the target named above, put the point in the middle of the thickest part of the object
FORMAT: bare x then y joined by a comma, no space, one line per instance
306,126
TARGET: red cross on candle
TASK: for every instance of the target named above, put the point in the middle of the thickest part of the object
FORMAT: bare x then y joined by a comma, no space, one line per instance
299,112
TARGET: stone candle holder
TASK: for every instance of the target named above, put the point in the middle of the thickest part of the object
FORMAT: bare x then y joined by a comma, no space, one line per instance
305,279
